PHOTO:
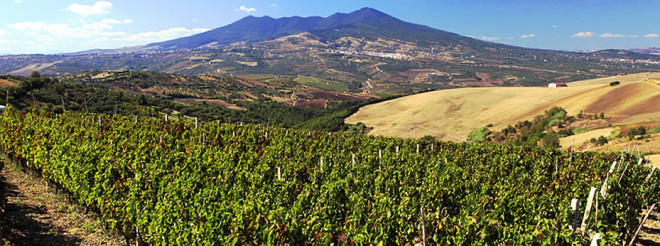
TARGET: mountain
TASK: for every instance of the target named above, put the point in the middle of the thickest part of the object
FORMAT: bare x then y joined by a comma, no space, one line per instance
365,52
650,50
254,29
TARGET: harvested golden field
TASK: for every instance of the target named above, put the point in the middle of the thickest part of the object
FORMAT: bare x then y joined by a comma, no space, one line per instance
453,114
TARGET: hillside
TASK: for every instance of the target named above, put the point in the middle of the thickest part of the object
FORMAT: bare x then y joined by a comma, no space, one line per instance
367,51
452,114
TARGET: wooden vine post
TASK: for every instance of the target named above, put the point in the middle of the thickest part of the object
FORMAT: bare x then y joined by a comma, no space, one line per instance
587,210
380,157
603,189
650,174
575,206
279,174
421,210
641,224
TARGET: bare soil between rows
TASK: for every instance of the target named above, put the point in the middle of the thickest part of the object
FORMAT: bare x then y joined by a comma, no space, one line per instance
36,215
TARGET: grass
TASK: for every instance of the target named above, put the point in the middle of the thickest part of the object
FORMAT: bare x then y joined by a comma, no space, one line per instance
452,114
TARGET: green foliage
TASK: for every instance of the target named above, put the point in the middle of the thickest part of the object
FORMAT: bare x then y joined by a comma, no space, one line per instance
635,132
614,135
479,135
615,83
428,138
580,130
251,185
551,141
357,128
600,141
655,129
533,132
35,75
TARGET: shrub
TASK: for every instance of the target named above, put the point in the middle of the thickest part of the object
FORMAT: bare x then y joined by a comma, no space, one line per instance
614,83
655,129
478,135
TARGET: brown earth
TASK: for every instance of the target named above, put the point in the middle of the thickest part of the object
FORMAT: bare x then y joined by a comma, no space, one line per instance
37,216
310,103
6,83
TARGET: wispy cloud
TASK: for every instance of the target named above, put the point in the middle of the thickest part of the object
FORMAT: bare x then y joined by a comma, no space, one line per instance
273,5
100,7
18,1
652,35
489,38
151,37
87,35
531,35
246,9
41,29
614,35
583,35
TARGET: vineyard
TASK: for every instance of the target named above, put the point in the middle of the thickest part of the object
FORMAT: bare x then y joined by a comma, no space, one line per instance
175,183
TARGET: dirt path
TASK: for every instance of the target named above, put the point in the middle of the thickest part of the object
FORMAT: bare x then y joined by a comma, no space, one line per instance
38,216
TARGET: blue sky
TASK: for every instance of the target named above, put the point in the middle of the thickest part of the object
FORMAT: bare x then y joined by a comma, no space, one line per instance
45,26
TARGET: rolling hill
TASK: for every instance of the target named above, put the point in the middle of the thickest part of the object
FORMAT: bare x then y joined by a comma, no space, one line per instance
453,114
368,51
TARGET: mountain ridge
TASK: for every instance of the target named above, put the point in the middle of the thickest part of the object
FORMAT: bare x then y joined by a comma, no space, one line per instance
252,29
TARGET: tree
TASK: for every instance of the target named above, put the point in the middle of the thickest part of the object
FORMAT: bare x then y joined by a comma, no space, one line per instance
551,141
641,130
428,138
602,115
35,75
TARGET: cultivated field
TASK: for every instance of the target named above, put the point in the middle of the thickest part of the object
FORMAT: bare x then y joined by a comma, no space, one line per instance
452,114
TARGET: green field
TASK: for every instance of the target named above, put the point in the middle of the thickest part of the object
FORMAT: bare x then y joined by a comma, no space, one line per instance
323,84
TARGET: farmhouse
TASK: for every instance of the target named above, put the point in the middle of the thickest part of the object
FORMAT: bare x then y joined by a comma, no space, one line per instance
557,84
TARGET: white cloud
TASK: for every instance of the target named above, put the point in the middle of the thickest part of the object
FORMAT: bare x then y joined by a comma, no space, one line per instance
273,5
527,35
2,33
128,21
151,37
489,38
613,35
652,35
18,1
554,26
510,38
246,9
100,7
583,35
41,29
